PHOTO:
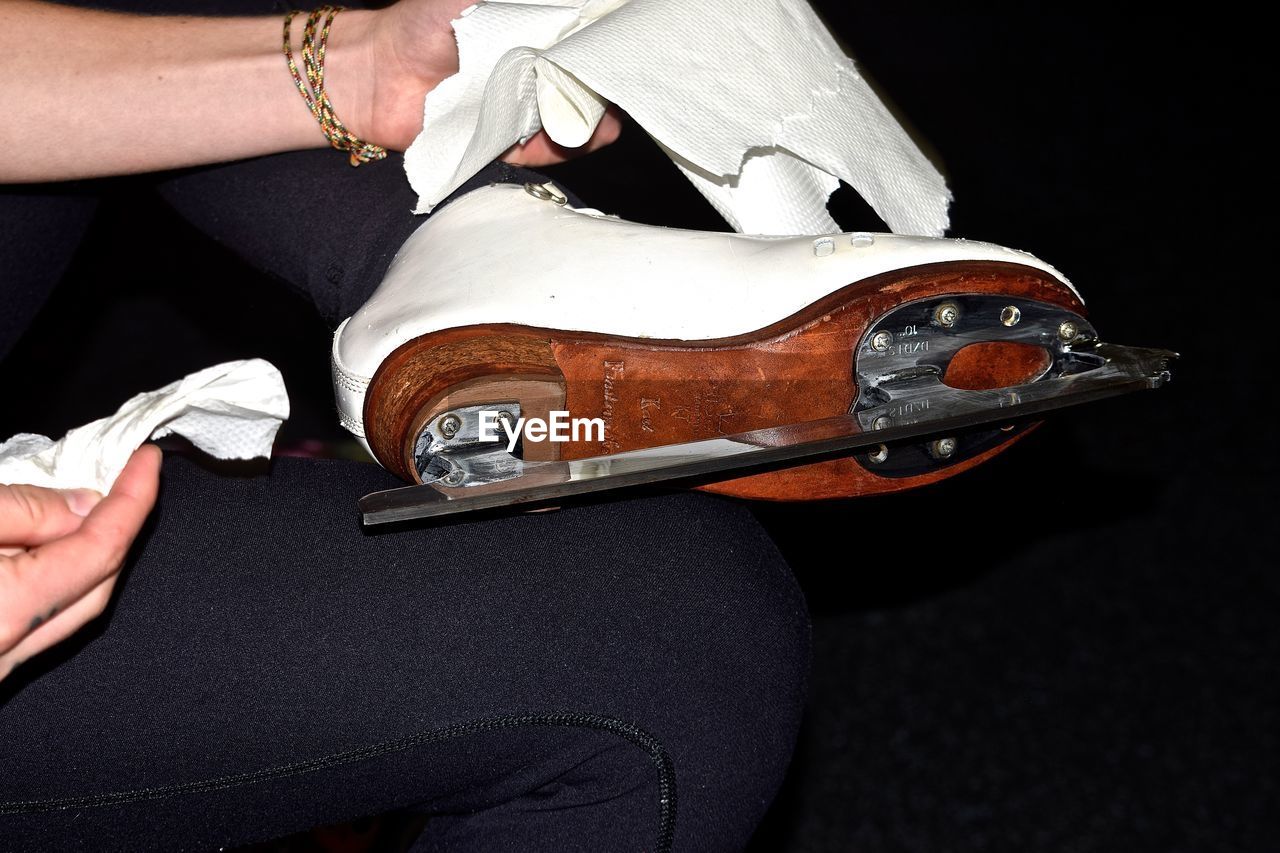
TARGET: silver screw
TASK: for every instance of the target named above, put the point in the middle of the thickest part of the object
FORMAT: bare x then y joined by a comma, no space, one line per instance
1010,315
449,425
508,422
881,341
878,455
881,422
1068,331
943,448
455,477
947,314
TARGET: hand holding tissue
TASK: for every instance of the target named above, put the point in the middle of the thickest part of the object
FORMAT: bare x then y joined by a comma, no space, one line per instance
752,99
231,411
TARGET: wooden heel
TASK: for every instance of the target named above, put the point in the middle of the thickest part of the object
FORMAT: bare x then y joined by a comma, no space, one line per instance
654,392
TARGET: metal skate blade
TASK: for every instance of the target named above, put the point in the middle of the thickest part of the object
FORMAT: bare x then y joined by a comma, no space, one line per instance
1119,370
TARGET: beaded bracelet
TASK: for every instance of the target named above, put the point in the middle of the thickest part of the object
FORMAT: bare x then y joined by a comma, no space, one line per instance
312,88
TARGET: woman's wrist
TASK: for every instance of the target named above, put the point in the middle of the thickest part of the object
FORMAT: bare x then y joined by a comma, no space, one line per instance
166,91
349,72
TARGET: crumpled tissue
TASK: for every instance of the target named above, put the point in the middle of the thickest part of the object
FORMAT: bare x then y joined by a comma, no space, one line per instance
230,411
752,99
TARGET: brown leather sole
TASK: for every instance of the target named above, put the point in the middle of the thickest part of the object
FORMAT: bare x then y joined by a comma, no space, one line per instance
652,392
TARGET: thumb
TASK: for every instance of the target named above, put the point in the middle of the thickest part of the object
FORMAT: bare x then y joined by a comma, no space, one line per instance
31,516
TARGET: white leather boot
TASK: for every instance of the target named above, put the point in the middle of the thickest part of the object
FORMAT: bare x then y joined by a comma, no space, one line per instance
510,299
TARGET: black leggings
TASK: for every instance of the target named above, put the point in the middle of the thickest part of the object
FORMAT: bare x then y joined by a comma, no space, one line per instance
625,676
307,219
622,676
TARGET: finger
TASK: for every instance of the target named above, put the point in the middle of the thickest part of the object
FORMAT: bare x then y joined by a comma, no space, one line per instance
63,571
542,150
30,515
59,626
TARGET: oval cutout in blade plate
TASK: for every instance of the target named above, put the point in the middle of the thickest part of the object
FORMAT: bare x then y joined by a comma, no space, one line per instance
996,364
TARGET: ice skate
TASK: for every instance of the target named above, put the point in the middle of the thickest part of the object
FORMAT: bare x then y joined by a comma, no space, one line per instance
521,351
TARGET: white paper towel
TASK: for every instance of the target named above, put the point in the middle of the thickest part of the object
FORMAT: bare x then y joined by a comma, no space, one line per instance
752,99
230,411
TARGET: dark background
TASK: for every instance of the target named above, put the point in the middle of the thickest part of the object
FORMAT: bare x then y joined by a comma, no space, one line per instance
1074,647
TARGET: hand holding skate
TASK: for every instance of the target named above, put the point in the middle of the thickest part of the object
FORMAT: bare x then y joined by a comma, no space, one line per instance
410,48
